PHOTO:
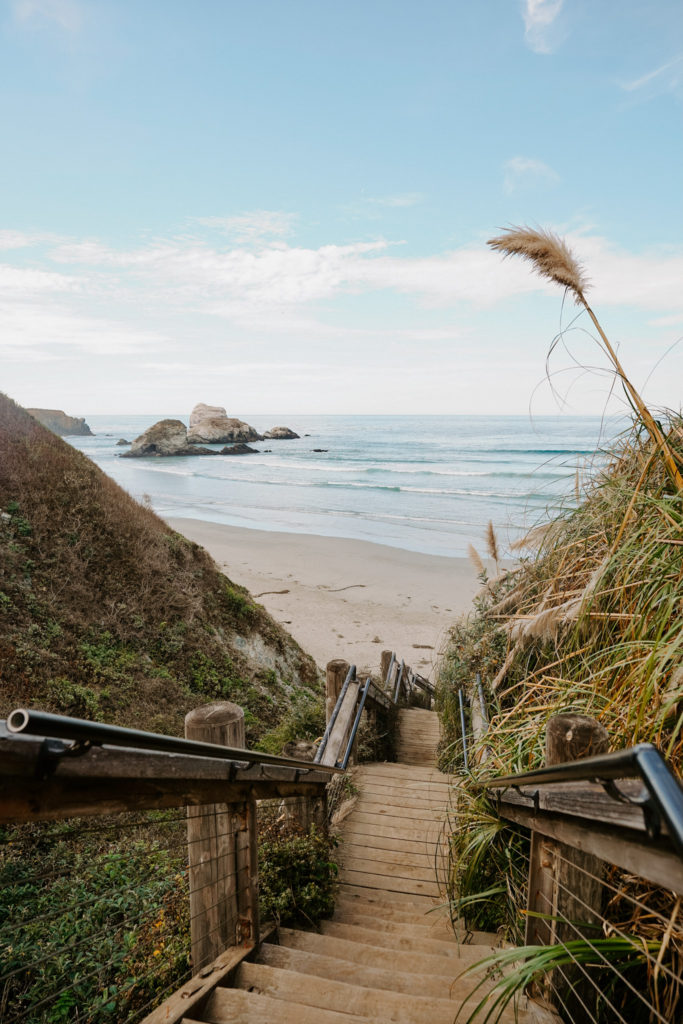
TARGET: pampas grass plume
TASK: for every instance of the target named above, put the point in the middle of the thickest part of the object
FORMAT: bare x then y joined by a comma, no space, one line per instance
550,255
475,559
492,543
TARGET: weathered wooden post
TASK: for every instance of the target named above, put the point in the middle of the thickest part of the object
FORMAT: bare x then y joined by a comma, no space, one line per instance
565,882
385,665
222,850
335,674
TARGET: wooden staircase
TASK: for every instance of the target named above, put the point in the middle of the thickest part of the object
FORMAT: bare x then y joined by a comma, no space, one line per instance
389,954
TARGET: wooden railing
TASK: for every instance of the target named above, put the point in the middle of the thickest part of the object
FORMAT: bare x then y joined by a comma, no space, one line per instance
583,825
43,778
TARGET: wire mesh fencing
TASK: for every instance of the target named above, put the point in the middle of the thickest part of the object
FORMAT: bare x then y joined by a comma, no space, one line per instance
96,914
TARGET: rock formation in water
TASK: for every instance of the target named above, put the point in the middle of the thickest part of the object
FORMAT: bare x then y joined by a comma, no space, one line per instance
238,449
122,442
210,424
280,434
165,438
59,423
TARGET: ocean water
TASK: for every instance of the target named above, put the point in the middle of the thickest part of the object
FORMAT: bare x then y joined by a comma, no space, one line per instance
423,483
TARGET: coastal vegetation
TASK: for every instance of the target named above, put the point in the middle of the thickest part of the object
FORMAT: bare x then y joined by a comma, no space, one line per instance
107,614
590,620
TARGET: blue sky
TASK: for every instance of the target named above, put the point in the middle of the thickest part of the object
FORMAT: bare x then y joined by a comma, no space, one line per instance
283,206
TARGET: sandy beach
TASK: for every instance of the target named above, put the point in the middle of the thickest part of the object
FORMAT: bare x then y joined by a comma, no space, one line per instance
344,598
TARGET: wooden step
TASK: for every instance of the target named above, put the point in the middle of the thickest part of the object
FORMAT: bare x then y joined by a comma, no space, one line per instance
411,886
449,963
425,816
358,837
235,1006
433,985
395,795
346,997
361,851
405,868
404,941
440,929
389,911
359,823
398,899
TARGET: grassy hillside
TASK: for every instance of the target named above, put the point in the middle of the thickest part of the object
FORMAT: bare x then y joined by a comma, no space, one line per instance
107,613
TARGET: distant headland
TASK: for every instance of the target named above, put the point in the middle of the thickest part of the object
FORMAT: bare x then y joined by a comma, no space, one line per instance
59,423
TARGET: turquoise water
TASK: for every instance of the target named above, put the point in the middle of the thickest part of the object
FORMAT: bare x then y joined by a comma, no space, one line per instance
423,483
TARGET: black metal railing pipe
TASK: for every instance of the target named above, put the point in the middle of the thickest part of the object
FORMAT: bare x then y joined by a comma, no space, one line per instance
392,662
643,761
399,681
350,676
482,702
41,724
344,763
463,730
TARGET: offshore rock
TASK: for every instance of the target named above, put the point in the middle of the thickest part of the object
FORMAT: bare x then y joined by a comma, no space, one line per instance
122,442
210,424
238,449
59,423
166,438
280,434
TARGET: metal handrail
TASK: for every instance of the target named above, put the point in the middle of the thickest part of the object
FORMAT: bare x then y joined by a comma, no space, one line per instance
392,662
482,702
399,681
344,763
350,677
463,730
24,722
644,762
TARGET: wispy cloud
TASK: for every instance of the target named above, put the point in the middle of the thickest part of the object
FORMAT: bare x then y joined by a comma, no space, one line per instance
524,170
666,78
163,299
67,14
253,225
540,24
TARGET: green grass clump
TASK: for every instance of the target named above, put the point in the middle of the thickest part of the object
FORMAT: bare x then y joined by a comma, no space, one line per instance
590,621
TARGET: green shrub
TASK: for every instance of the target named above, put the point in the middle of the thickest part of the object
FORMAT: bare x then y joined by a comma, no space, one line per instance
297,874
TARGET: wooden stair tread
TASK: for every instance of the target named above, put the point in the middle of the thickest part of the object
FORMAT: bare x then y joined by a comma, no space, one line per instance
449,962
436,986
346,996
236,1006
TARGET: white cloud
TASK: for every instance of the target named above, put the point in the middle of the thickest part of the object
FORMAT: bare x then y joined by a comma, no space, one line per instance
540,24
252,226
23,280
65,13
522,170
35,331
666,78
167,300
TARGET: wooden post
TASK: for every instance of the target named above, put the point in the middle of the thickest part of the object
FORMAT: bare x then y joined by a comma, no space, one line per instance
565,882
222,850
335,674
384,665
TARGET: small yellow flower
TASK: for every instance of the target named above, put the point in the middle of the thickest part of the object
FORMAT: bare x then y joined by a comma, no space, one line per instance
157,952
